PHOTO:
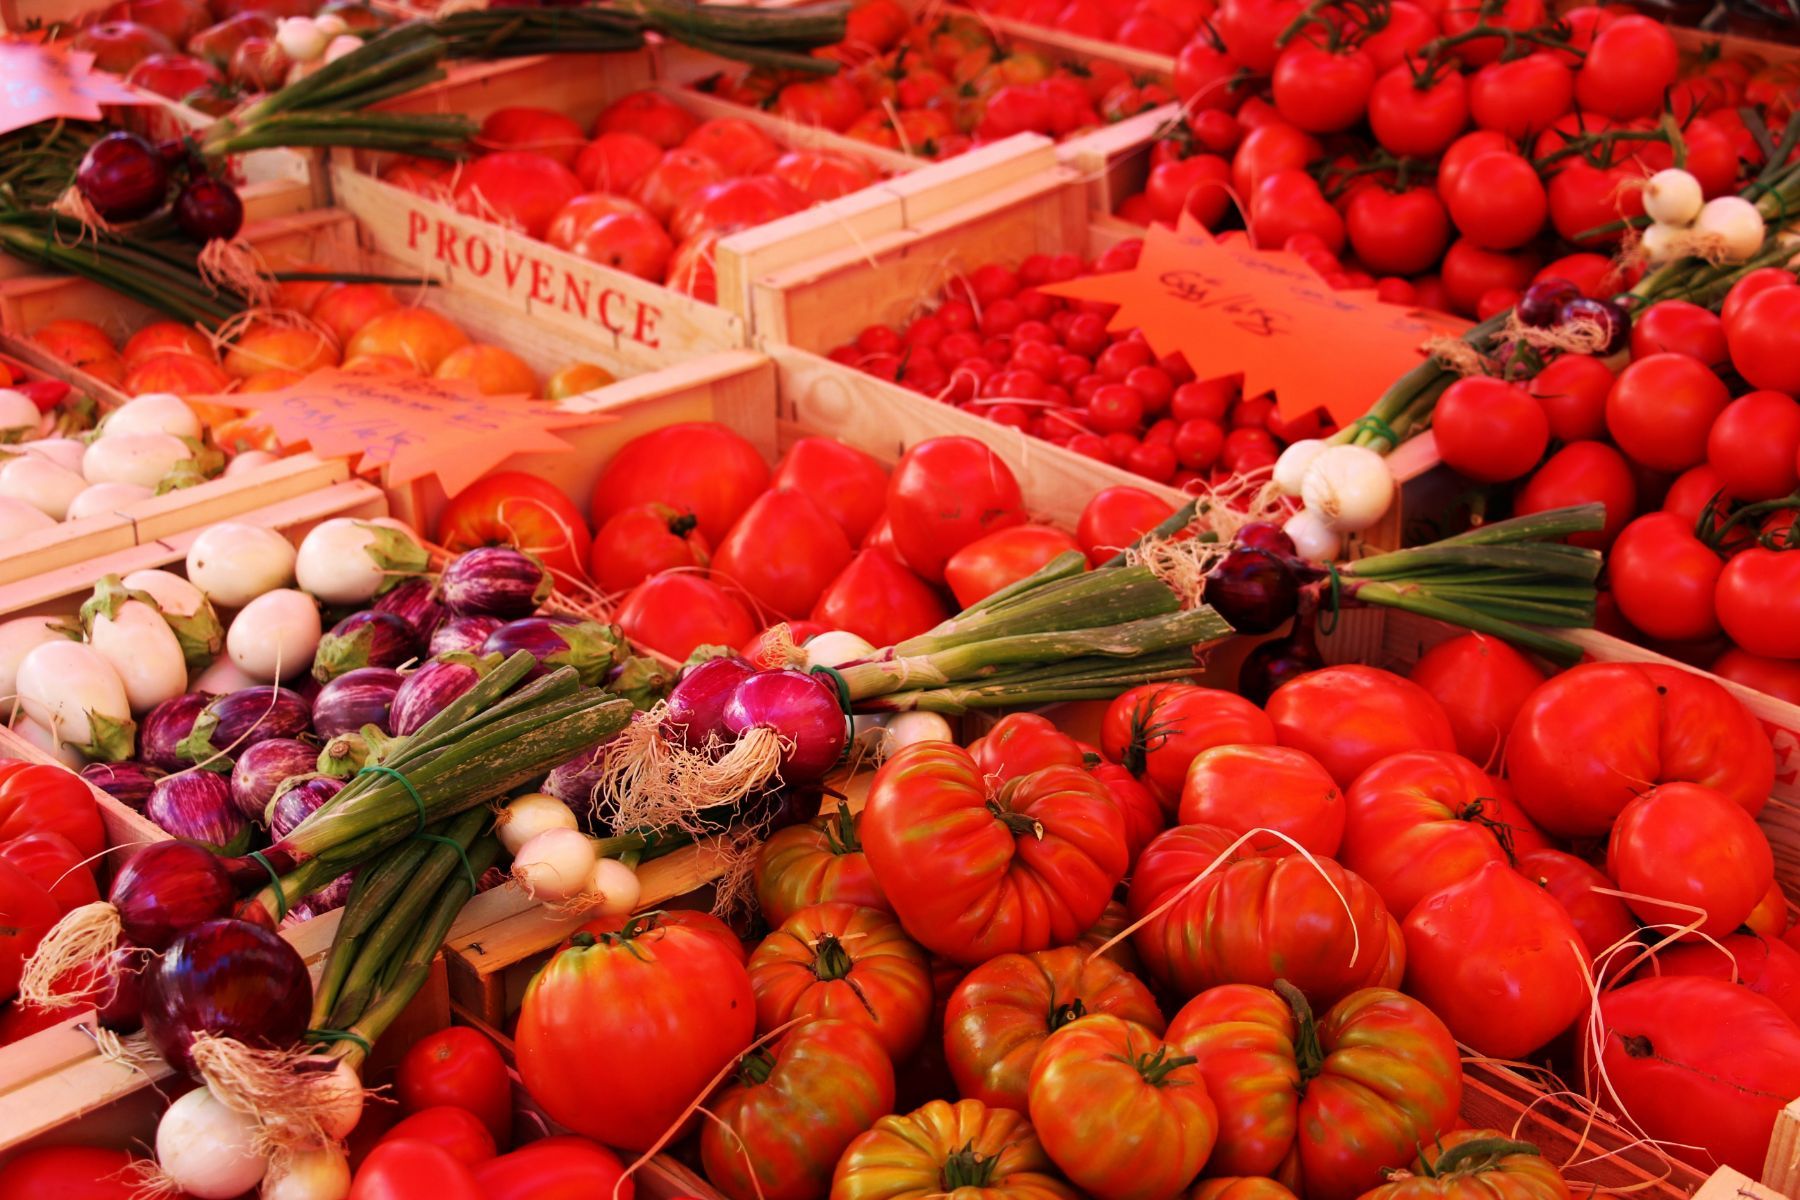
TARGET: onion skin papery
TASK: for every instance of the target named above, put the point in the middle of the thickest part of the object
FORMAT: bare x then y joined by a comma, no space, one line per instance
229,979
696,708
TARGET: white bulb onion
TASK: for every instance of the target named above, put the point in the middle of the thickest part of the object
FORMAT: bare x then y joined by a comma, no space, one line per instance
1314,540
529,815
613,888
301,39
1349,487
1290,468
1733,224
322,1174
554,866
910,728
834,648
208,1150
1673,197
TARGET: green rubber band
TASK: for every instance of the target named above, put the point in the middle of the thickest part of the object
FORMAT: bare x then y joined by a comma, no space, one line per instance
327,1036
1379,428
843,686
474,884
274,878
412,791
1332,601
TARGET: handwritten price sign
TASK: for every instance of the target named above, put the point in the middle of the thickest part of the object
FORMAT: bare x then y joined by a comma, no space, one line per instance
410,428
45,82
1226,306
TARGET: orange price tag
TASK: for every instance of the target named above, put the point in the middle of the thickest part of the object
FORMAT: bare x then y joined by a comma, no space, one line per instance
44,82
410,427
1226,306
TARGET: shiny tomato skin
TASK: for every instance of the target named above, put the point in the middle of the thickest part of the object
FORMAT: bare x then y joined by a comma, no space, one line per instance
37,798
1490,430
1469,273
1498,960
1758,602
69,1173
1351,717
1408,120
1660,409
1116,1112
1679,327
1600,919
781,1126
1156,730
700,467
462,1067
1665,579
672,1004
782,553
945,493
1143,812
816,863
1778,677
1499,1169
1762,964
1243,788
456,1130
1389,1079
30,912
1002,558
1418,821
410,1169
1521,97
836,960
1498,201
555,1168
1398,233
1681,847
1582,473
648,114
877,598
1000,1013
645,540
1627,69
1021,743
905,1155
514,508
1588,740
1754,446
973,874
53,862
845,482
674,612
1701,1062
1322,91
1333,934
1116,517
1480,682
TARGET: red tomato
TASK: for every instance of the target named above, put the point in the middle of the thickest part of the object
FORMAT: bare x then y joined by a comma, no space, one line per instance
782,553
1021,743
1480,682
648,114
1584,197
1677,327
42,799
1601,920
556,1168
1000,559
672,1004
1665,579
1699,1063
1419,821
614,162
461,1067
71,1173
1198,185
1689,854
537,130
1522,97
1498,201
879,600
1779,678
461,1133
1660,410
677,175
1116,517
839,961
518,189
1469,273
1498,960
842,480
1748,288
1590,738
27,912
1632,61
1143,812
972,874
1397,233
54,863
1460,16
1320,90
1754,444
700,467
644,540
1257,918
675,612
632,242
1757,601
1760,964
411,1169
945,493
817,863
514,508
1351,717
1251,27
1156,730
1764,336
1573,393
1420,121
1289,202
1490,430
1408,28
1267,149
1245,788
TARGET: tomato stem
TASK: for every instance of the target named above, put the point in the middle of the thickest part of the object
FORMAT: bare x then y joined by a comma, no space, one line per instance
967,1167
1155,1067
755,1067
1309,1055
1474,1156
831,961
840,832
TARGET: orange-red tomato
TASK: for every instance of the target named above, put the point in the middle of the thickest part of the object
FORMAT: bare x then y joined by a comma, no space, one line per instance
1243,788
1000,559
1351,717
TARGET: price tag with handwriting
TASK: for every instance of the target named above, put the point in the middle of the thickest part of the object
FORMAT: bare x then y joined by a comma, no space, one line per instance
44,82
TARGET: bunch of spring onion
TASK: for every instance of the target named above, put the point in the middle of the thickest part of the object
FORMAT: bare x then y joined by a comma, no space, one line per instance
1708,247
503,732
1067,633
282,1087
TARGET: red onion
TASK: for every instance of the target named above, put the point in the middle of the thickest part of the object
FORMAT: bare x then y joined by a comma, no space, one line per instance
1254,590
1543,300
127,782
366,639
229,979
361,697
168,887
697,702
1275,662
299,799
196,806
494,581
413,601
462,635
122,177
264,767
803,709
165,727
234,722
588,646
208,209
424,693
1265,535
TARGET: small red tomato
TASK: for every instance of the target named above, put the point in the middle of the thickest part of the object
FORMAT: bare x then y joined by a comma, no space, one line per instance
1664,578
1490,430
1754,446
461,1067
459,1132
1678,327
1573,392
1661,407
1688,854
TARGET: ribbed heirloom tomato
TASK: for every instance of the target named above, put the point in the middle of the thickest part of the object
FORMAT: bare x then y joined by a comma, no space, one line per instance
958,1149
1156,730
815,863
1020,743
1476,1164
837,960
1321,1105
700,467
1001,1012
778,1130
973,871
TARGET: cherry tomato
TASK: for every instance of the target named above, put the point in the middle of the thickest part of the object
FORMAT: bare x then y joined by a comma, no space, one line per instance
1750,287
1251,27
1678,327
1572,391
1398,233
1469,272
1498,201
1409,26
461,1067
1289,202
1660,410
1276,146
1758,601
1585,198
1764,336
1583,473
1199,185
1490,430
